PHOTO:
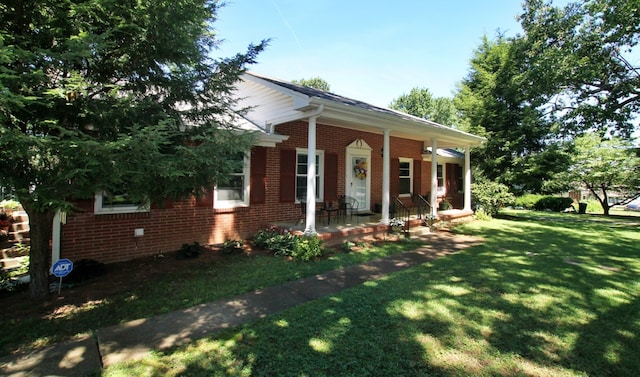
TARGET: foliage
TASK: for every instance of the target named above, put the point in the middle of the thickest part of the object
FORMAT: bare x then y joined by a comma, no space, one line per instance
284,243
580,57
396,222
10,204
603,166
421,103
104,96
314,82
491,196
553,203
483,215
231,246
528,201
189,251
498,101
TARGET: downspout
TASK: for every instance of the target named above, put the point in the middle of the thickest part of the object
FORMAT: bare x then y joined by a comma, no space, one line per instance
55,237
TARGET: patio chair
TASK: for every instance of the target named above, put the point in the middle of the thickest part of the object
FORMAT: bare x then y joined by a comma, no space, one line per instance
348,205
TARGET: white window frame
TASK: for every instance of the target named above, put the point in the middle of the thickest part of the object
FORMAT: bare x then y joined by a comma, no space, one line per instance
410,161
319,173
442,189
246,174
99,209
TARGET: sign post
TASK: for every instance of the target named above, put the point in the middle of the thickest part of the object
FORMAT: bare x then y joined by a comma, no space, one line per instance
61,269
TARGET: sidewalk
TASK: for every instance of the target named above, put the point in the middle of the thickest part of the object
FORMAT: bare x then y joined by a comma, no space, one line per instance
133,340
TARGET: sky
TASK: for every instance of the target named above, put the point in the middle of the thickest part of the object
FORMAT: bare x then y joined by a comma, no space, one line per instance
373,51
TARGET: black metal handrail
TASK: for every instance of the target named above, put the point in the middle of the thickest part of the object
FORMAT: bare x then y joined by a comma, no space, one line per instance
399,211
423,206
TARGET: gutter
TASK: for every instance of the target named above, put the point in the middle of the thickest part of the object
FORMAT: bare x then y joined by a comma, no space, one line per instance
270,124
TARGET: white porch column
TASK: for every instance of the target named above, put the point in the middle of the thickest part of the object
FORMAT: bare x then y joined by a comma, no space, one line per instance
434,177
467,178
310,222
386,163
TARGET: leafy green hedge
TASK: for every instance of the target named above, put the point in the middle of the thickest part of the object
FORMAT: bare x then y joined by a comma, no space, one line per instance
544,202
528,201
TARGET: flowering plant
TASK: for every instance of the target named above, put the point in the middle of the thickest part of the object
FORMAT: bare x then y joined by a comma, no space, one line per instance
396,222
430,219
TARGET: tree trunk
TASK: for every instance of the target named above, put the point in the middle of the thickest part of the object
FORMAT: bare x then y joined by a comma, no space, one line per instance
40,227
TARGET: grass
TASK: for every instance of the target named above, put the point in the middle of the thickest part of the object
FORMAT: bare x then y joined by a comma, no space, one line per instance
542,296
202,283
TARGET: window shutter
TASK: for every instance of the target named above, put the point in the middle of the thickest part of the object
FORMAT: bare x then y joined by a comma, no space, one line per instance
394,178
417,177
330,176
287,175
450,179
258,184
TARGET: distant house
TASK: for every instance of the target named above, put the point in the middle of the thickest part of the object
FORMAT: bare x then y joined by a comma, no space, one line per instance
370,153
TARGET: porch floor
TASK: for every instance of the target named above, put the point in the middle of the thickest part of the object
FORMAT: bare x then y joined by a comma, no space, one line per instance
365,227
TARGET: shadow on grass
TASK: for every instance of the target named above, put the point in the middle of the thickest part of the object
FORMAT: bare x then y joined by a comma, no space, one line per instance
535,299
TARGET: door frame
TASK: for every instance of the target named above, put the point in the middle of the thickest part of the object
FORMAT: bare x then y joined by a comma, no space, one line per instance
358,147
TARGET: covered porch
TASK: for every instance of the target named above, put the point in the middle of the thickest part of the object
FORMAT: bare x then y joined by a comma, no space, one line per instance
366,227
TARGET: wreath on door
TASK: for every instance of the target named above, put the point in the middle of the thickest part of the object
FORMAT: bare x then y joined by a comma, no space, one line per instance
360,169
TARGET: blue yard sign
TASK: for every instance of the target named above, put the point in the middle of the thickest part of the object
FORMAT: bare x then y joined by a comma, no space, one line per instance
62,268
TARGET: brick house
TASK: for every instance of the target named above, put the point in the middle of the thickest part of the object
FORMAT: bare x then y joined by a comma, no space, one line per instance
364,151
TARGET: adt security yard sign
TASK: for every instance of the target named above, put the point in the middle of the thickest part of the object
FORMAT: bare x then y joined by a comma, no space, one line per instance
61,269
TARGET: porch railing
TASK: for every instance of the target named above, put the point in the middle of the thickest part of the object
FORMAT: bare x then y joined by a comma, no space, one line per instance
422,205
400,211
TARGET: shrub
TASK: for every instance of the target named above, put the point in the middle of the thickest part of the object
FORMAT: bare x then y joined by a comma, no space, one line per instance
553,203
528,201
303,248
482,215
491,196
189,251
594,206
231,246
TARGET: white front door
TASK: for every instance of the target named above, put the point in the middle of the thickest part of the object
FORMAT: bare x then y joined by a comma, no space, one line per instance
358,174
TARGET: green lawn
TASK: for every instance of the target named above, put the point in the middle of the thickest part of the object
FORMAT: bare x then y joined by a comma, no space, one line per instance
203,283
543,296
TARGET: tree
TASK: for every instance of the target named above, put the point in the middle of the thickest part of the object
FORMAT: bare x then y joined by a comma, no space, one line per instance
497,100
114,97
604,166
315,82
580,55
421,103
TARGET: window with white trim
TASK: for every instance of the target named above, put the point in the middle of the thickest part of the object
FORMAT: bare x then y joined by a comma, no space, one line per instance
301,174
106,203
442,190
406,176
235,191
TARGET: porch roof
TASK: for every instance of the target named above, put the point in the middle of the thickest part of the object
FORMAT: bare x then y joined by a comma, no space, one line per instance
297,102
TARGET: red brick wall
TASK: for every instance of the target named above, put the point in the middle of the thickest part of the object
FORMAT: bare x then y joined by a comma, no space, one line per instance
110,238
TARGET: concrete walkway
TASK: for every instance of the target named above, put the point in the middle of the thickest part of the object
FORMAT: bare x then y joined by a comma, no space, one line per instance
135,339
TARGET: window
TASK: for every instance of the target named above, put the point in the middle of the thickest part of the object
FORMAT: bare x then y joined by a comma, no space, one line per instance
301,174
442,190
119,202
234,192
406,176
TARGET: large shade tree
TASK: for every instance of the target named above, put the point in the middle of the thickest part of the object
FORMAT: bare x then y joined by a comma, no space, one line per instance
314,82
497,100
583,57
120,97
